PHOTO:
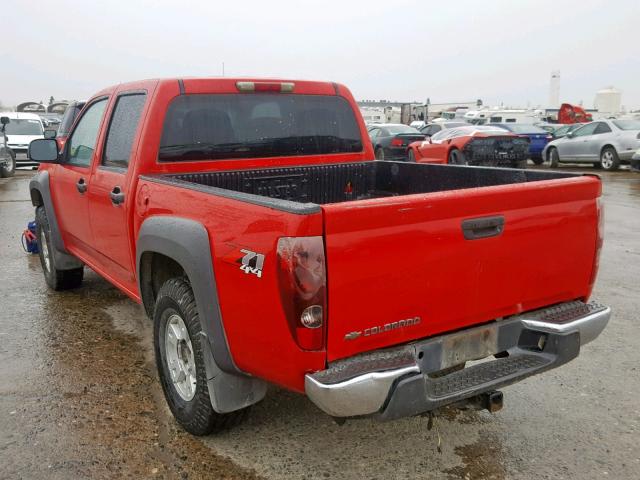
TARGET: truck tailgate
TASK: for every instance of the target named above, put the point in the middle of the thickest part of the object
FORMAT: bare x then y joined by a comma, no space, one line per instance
408,267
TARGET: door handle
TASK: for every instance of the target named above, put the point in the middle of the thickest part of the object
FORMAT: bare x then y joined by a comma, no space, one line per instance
484,227
117,196
81,185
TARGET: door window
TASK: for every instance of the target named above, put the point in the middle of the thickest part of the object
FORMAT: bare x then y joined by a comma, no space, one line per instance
602,128
82,143
588,129
122,130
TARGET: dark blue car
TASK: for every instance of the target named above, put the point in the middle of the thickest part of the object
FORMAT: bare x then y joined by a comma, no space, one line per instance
538,138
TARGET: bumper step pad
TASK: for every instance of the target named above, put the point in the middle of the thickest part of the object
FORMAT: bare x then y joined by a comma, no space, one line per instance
477,375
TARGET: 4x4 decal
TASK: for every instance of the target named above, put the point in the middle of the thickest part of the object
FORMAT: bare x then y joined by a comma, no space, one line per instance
252,262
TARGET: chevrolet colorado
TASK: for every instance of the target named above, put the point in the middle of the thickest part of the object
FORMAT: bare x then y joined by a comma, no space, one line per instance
249,219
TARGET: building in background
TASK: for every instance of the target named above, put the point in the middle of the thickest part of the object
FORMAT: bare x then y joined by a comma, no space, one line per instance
554,89
608,102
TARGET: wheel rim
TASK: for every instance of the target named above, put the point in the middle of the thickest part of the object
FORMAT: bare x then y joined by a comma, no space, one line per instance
607,159
45,251
179,357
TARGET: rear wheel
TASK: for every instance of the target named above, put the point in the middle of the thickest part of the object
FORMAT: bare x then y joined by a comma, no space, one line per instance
597,165
521,164
456,157
554,158
56,279
379,153
537,160
609,159
180,361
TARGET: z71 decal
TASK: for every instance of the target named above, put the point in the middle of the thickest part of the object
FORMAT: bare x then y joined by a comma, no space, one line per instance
252,262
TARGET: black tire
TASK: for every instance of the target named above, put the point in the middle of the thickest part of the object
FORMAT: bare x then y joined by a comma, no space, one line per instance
379,153
55,278
537,160
411,157
609,160
597,165
521,164
195,415
456,157
9,170
554,158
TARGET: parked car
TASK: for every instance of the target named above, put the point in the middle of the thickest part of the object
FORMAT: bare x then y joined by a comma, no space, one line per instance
604,143
435,127
538,138
249,219
635,161
69,116
7,157
390,140
472,145
20,131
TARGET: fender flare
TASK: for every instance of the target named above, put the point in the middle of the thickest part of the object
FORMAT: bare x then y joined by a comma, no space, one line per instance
187,242
40,193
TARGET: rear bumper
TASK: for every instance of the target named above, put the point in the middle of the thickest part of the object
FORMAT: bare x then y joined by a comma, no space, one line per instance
409,380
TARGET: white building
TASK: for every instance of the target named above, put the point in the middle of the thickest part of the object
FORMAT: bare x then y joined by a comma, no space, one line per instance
608,102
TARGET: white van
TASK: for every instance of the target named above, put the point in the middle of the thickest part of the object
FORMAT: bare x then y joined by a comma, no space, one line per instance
21,130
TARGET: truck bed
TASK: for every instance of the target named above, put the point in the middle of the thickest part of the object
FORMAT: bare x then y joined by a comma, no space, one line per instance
336,183
429,248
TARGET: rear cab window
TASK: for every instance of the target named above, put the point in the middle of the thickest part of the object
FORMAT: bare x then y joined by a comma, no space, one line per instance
229,126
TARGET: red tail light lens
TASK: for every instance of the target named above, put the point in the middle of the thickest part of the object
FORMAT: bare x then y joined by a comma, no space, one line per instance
302,279
397,142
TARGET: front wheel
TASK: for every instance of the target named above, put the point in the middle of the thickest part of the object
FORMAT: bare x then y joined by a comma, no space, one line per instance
609,159
554,158
55,278
8,168
180,361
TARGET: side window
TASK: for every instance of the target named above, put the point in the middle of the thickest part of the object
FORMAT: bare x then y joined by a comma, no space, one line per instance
586,130
602,128
83,139
122,129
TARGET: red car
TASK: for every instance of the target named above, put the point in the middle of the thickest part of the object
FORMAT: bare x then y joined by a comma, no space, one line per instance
251,221
472,145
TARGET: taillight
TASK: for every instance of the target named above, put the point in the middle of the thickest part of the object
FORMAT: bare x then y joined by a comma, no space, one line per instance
599,241
302,279
277,87
396,142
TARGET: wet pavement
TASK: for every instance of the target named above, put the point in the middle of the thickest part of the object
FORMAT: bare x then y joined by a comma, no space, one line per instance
79,396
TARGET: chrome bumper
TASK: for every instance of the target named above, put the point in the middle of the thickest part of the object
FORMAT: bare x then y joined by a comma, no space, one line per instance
396,382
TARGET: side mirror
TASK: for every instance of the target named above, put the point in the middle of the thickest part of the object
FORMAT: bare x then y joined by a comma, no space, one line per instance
50,134
569,135
44,150
5,120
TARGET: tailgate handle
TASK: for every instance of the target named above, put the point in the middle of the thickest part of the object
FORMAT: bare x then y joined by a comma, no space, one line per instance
484,227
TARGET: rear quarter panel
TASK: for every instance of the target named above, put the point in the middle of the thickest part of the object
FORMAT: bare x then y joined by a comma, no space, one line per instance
257,331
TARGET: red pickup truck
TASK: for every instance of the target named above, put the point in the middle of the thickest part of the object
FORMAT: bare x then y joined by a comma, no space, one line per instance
251,221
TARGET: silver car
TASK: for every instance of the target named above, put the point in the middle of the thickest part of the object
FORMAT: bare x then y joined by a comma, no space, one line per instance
604,143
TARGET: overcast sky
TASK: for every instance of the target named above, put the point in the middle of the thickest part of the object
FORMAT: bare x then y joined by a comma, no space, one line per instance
499,51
